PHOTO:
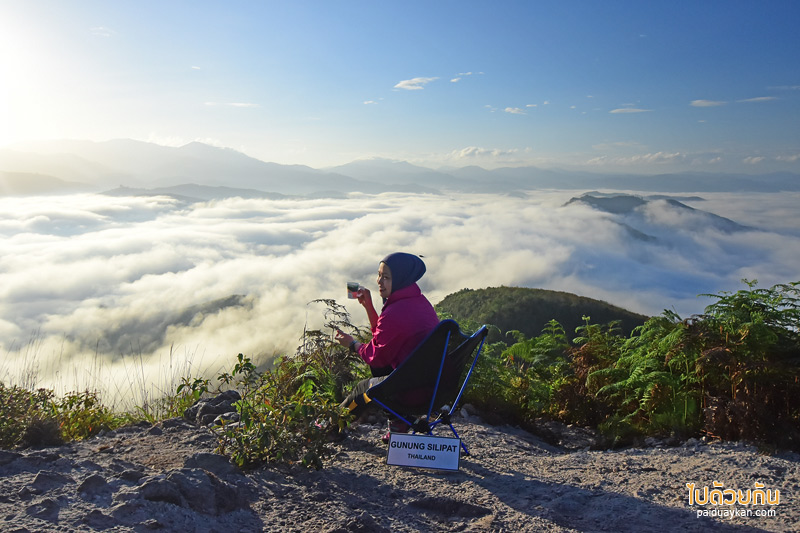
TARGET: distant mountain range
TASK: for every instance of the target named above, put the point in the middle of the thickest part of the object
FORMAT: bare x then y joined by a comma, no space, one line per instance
191,192
68,166
24,184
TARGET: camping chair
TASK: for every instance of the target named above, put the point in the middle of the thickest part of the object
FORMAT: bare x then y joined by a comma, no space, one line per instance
432,379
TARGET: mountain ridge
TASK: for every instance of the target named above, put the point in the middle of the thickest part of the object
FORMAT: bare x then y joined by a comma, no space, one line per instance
26,183
528,310
141,164
633,208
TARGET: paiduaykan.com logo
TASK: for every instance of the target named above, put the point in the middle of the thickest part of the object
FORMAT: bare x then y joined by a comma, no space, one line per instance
728,498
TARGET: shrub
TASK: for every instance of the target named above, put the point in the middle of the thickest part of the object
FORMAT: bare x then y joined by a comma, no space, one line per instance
596,347
21,409
731,373
488,387
538,369
648,384
38,418
287,413
749,362
81,415
284,416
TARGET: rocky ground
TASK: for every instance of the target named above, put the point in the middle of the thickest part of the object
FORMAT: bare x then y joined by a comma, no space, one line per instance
167,478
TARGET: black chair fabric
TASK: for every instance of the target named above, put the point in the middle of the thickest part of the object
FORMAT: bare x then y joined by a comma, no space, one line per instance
438,365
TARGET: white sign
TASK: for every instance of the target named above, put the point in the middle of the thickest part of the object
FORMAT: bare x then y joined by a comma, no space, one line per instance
424,451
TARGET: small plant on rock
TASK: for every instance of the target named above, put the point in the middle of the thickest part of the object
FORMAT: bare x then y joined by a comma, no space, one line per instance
288,413
22,413
81,415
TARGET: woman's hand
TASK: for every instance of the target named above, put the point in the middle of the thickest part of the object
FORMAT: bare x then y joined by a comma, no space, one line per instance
343,338
365,299
364,296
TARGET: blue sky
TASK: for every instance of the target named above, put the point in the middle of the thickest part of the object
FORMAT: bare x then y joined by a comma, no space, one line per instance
640,87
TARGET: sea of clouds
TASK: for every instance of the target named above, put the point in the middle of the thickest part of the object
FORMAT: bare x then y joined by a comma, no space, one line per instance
123,294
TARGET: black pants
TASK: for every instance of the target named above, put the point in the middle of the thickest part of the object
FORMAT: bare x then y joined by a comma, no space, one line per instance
354,401
382,371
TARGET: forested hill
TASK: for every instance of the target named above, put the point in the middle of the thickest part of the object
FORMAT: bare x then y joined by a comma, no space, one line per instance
529,310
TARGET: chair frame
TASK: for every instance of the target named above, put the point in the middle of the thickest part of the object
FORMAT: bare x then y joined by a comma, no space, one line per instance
425,425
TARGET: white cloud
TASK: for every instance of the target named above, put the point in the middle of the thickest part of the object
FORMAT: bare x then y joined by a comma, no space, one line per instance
370,102
461,75
707,103
89,281
759,99
102,31
792,158
514,110
647,159
232,104
629,110
414,84
472,152
752,160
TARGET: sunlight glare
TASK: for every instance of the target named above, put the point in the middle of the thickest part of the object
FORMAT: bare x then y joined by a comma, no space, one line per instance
24,84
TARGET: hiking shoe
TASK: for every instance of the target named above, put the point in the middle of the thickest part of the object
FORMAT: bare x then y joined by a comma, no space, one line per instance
395,426
336,435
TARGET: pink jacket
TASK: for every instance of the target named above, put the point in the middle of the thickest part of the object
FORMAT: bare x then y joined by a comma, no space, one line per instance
406,319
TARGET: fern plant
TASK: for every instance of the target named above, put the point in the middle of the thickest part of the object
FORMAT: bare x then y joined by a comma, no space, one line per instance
733,372
751,364
539,368
653,380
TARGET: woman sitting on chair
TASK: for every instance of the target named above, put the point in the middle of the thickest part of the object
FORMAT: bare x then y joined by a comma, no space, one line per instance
407,317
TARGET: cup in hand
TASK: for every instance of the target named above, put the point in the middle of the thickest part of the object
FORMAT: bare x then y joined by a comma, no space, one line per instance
352,289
